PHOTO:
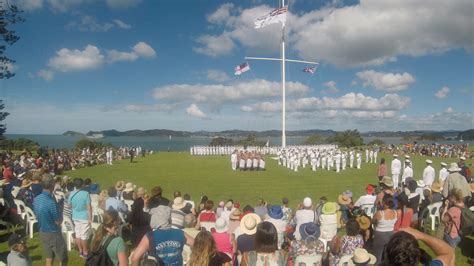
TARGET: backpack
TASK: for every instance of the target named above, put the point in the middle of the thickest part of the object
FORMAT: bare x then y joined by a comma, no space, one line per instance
100,257
467,222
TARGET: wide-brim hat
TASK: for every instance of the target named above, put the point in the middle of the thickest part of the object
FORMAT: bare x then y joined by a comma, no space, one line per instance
25,183
141,191
343,200
361,256
235,215
178,203
275,212
129,187
453,167
387,181
364,222
119,185
160,217
420,183
329,208
436,187
309,230
221,225
248,224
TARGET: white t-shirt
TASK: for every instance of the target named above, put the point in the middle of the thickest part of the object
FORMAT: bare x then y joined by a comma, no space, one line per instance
302,217
365,200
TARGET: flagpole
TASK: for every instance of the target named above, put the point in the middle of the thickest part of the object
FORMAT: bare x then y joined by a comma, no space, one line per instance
283,85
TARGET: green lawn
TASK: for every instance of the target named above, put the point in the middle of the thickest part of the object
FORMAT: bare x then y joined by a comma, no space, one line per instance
212,176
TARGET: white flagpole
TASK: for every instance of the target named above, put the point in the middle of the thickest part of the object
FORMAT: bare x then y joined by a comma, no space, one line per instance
283,85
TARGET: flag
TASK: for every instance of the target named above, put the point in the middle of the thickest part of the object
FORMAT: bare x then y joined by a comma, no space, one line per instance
241,68
311,70
276,16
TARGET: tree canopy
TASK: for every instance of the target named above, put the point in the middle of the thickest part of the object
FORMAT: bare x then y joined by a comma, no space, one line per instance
348,138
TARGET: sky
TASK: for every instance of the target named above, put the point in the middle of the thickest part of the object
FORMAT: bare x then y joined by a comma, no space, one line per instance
384,65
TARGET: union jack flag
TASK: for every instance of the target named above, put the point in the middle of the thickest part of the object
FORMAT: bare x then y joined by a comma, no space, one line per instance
241,68
311,70
276,16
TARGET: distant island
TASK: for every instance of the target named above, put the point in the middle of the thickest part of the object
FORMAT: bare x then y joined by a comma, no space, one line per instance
429,135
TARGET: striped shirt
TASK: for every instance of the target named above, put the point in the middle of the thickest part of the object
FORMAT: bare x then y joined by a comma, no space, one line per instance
47,213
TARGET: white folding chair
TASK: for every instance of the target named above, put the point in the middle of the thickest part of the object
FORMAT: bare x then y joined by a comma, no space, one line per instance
30,220
129,204
20,208
369,209
67,227
312,260
433,211
208,225
186,254
328,228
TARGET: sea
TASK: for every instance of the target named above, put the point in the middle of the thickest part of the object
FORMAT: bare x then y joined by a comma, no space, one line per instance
176,143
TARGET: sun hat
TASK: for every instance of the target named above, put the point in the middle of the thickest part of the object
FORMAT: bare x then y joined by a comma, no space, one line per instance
275,212
364,222
436,187
248,224
444,164
25,183
343,200
453,167
361,256
429,161
221,225
387,181
308,230
420,183
141,191
95,189
369,189
307,202
119,185
14,239
129,187
160,217
347,193
235,215
329,208
462,158
178,203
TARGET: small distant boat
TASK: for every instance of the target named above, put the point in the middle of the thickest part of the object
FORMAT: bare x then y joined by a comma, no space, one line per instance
461,139
95,136
170,137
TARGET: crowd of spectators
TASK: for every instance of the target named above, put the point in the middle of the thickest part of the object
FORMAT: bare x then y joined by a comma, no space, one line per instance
433,150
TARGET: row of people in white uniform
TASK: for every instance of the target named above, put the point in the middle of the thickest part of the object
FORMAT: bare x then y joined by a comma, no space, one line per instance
228,150
324,157
371,155
245,160
429,173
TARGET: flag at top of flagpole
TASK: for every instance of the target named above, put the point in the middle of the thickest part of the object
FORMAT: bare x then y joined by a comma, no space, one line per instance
276,16
241,68
311,70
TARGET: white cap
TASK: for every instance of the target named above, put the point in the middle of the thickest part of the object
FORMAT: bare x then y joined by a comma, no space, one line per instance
429,161
307,202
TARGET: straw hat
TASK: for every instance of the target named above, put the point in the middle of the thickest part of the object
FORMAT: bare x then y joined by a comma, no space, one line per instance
361,256
221,225
248,224
25,183
364,222
141,192
343,200
129,187
235,215
119,185
329,208
386,180
436,187
178,203
453,167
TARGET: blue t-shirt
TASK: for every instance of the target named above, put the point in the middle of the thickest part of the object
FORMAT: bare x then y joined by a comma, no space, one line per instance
47,213
166,245
79,199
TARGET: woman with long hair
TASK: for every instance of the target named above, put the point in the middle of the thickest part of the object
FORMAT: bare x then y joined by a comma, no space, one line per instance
139,220
266,248
382,169
108,229
205,252
384,221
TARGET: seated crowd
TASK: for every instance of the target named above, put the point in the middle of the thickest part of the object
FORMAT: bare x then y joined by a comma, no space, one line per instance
376,229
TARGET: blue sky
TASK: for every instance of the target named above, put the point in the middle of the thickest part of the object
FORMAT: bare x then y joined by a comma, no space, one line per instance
139,64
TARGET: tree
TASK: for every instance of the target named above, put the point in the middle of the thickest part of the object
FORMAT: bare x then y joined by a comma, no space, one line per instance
313,139
377,142
220,141
9,15
348,138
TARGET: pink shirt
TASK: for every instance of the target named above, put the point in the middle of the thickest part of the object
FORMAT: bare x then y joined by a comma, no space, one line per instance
455,214
223,242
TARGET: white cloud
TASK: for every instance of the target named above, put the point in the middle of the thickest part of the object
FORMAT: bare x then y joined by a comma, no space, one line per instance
29,5
389,82
90,24
371,32
217,75
449,110
144,50
330,87
122,3
76,60
122,24
442,93
47,75
66,5
116,56
193,110
254,90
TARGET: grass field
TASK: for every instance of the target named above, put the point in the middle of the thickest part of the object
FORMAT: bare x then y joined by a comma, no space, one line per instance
212,176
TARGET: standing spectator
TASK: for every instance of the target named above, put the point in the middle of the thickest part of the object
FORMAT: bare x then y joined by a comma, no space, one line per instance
384,221
404,213
455,181
205,252
465,171
261,208
452,217
157,198
18,255
49,221
80,201
275,216
139,220
113,203
382,169
107,232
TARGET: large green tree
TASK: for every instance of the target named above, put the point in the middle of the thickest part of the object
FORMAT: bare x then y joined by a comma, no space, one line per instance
9,15
348,138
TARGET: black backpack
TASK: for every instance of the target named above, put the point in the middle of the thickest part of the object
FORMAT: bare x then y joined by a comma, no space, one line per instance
100,257
467,222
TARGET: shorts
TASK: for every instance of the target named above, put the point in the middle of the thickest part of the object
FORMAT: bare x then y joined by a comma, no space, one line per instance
54,246
82,229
